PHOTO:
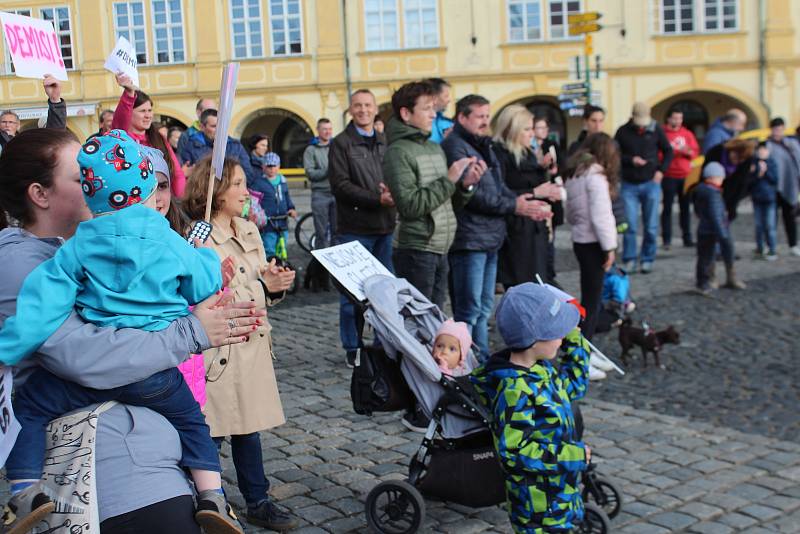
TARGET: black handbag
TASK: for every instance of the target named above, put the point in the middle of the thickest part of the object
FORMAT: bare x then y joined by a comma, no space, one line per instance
378,384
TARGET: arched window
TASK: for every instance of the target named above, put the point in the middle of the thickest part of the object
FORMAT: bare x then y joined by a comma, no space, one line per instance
289,134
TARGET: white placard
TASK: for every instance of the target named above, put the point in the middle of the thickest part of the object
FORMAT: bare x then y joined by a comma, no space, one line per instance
123,60
34,46
350,264
9,426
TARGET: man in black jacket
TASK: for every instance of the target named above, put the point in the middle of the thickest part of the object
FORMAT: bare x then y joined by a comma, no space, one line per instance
481,226
364,206
594,118
640,140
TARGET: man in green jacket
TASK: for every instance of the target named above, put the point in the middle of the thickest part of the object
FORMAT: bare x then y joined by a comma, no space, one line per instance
424,191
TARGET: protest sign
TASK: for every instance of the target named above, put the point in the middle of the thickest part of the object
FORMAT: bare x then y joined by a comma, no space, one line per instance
9,426
34,46
350,264
123,60
226,93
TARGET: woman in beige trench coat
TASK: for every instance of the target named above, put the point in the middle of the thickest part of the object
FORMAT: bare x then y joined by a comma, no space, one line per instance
240,381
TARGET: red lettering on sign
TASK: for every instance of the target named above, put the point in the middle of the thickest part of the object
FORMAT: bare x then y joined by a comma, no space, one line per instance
21,40
11,38
33,42
44,45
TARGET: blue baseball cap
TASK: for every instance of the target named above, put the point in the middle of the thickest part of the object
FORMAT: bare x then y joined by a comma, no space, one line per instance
533,312
115,172
714,169
271,158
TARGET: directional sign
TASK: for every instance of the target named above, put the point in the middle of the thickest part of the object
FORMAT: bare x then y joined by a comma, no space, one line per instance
575,112
581,18
573,86
580,29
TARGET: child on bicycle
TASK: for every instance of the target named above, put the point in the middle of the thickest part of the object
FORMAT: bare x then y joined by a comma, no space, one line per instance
276,202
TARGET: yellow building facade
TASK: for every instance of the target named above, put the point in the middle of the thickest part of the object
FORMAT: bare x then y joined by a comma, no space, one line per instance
300,58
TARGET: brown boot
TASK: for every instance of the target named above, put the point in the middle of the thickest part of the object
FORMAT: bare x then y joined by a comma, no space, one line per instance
733,282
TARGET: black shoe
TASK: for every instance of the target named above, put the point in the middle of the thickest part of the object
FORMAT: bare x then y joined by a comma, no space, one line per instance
268,515
688,242
350,358
416,421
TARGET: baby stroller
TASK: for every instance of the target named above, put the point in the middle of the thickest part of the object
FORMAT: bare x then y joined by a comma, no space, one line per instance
456,461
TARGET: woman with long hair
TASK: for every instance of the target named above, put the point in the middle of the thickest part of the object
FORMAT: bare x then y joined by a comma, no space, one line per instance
140,487
592,182
134,114
241,390
524,252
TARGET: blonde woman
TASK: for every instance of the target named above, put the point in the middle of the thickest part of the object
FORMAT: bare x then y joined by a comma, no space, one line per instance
240,382
524,253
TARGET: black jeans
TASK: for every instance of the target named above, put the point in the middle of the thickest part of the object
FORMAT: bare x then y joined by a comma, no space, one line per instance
706,255
590,259
427,271
165,517
789,220
672,187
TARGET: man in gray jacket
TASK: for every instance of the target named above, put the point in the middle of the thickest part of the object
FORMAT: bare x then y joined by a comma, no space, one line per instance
323,204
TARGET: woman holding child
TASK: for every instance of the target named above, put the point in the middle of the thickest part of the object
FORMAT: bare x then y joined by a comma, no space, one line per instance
241,389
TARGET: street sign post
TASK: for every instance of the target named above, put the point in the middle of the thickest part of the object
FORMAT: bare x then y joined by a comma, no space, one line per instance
585,24
583,18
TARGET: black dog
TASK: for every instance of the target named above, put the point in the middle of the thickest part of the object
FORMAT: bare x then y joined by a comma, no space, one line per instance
647,338
316,278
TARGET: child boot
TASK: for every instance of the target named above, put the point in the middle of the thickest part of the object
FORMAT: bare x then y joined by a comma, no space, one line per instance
733,282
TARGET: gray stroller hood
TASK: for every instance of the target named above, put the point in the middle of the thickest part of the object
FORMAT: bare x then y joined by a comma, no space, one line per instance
406,322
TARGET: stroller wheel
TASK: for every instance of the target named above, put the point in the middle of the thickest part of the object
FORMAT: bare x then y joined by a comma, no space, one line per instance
605,495
395,507
595,520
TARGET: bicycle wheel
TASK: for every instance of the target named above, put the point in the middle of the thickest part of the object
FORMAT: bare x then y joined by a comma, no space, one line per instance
304,232
606,495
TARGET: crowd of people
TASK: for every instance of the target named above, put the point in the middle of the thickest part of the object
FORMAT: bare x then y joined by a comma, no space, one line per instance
463,208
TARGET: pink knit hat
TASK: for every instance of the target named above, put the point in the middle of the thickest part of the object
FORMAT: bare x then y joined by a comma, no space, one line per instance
460,331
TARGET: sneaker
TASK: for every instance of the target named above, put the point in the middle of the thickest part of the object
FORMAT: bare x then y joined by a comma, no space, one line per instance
629,266
630,307
270,516
647,267
215,515
25,510
600,363
688,242
771,256
416,421
596,374
704,291
665,246
350,358
758,254
795,250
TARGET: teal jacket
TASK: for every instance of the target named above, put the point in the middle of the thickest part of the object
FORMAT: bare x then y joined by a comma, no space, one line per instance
127,269
535,436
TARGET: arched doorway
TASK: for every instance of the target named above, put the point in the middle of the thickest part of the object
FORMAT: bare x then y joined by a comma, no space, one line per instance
547,107
701,109
169,121
289,134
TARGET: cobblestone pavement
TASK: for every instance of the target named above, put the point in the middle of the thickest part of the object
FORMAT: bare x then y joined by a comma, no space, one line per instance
707,445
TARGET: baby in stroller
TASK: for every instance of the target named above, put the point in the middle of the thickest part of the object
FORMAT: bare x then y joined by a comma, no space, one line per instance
451,347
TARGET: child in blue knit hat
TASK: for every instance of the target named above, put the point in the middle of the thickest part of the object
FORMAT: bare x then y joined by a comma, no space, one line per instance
124,268
277,204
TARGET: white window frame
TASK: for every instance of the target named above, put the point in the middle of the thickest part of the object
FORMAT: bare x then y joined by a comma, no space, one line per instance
418,11
698,18
524,5
565,24
169,26
131,28
384,45
8,66
285,16
60,33
248,35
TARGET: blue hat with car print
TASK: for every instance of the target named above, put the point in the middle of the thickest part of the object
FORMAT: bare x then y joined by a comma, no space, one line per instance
115,172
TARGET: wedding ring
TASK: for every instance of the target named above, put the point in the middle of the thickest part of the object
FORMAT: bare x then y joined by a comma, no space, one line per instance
232,323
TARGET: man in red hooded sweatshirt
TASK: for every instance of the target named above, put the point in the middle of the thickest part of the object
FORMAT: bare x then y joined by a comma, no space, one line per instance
685,149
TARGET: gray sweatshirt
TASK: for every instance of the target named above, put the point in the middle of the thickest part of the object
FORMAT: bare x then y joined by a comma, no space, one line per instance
134,445
315,163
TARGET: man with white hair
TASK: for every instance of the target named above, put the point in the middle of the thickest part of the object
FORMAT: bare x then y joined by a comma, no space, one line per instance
724,128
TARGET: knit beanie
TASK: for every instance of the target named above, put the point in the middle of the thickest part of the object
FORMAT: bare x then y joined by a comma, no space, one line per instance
460,331
115,173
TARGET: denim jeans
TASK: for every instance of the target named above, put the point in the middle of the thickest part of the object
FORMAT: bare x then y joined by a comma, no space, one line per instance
648,196
249,464
427,271
381,247
323,206
44,397
672,187
270,240
474,275
766,214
